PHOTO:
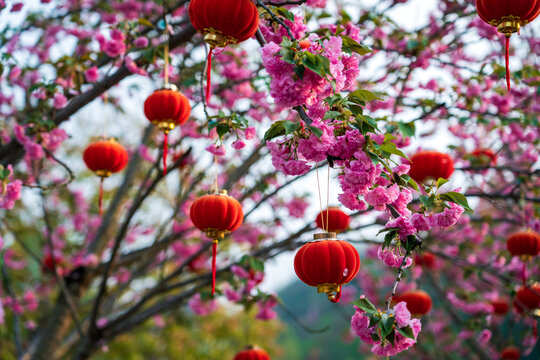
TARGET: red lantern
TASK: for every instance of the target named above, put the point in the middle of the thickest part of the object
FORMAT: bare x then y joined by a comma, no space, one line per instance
334,220
327,264
527,298
223,22
525,244
166,108
426,259
484,157
252,353
431,164
217,214
508,16
500,306
105,157
510,353
418,301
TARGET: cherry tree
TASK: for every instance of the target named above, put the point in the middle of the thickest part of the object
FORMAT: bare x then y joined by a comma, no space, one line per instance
405,121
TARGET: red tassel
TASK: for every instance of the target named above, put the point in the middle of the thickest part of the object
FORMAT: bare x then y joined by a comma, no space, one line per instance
507,58
524,273
165,144
208,73
338,296
100,199
214,253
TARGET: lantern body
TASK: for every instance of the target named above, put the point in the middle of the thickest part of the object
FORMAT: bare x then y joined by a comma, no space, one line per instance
425,259
167,108
223,22
527,298
431,164
526,243
327,264
216,214
500,306
508,15
337,220
510,353
252,354
105,157
418,301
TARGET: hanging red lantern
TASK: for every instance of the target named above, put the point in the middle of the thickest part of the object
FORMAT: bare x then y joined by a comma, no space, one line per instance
223,22
431,164
510,353
525,244
484,157
217,214
327,263
500,306
418,301
425,259
333,219
252,353
105,157
508,16
167,108
527,298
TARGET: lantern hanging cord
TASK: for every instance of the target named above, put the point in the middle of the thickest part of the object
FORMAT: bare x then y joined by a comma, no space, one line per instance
209,72
214,255
100,196
335,298
327,195
166,52
320,200
216,173
507,60
105,102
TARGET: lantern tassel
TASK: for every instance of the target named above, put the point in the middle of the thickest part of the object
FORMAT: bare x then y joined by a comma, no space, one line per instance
208,73
165,149
214,253
524,273
507,59
337,297
100,197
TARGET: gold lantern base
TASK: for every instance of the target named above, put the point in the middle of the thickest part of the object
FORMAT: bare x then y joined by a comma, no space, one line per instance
103,173
165,125
329,290
325,236
507,25
215,234
215,38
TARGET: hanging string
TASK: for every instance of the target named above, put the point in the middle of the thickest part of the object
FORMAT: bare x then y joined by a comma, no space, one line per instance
208,73
338,296
215,173
165,150
320,201
166,53
327,195
524,272
105,101
100,197
507,58
214,254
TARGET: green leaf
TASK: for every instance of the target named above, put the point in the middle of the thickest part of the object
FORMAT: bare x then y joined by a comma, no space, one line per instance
391,148
374,320
413,183
365,305
407,129
256,264
351,44
331,115
391,337
319,64
388,238
145,22
276,129
441,182
364,95
374,157
318,132
290,126
428,201
285,13
456,198
222,129
406,331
